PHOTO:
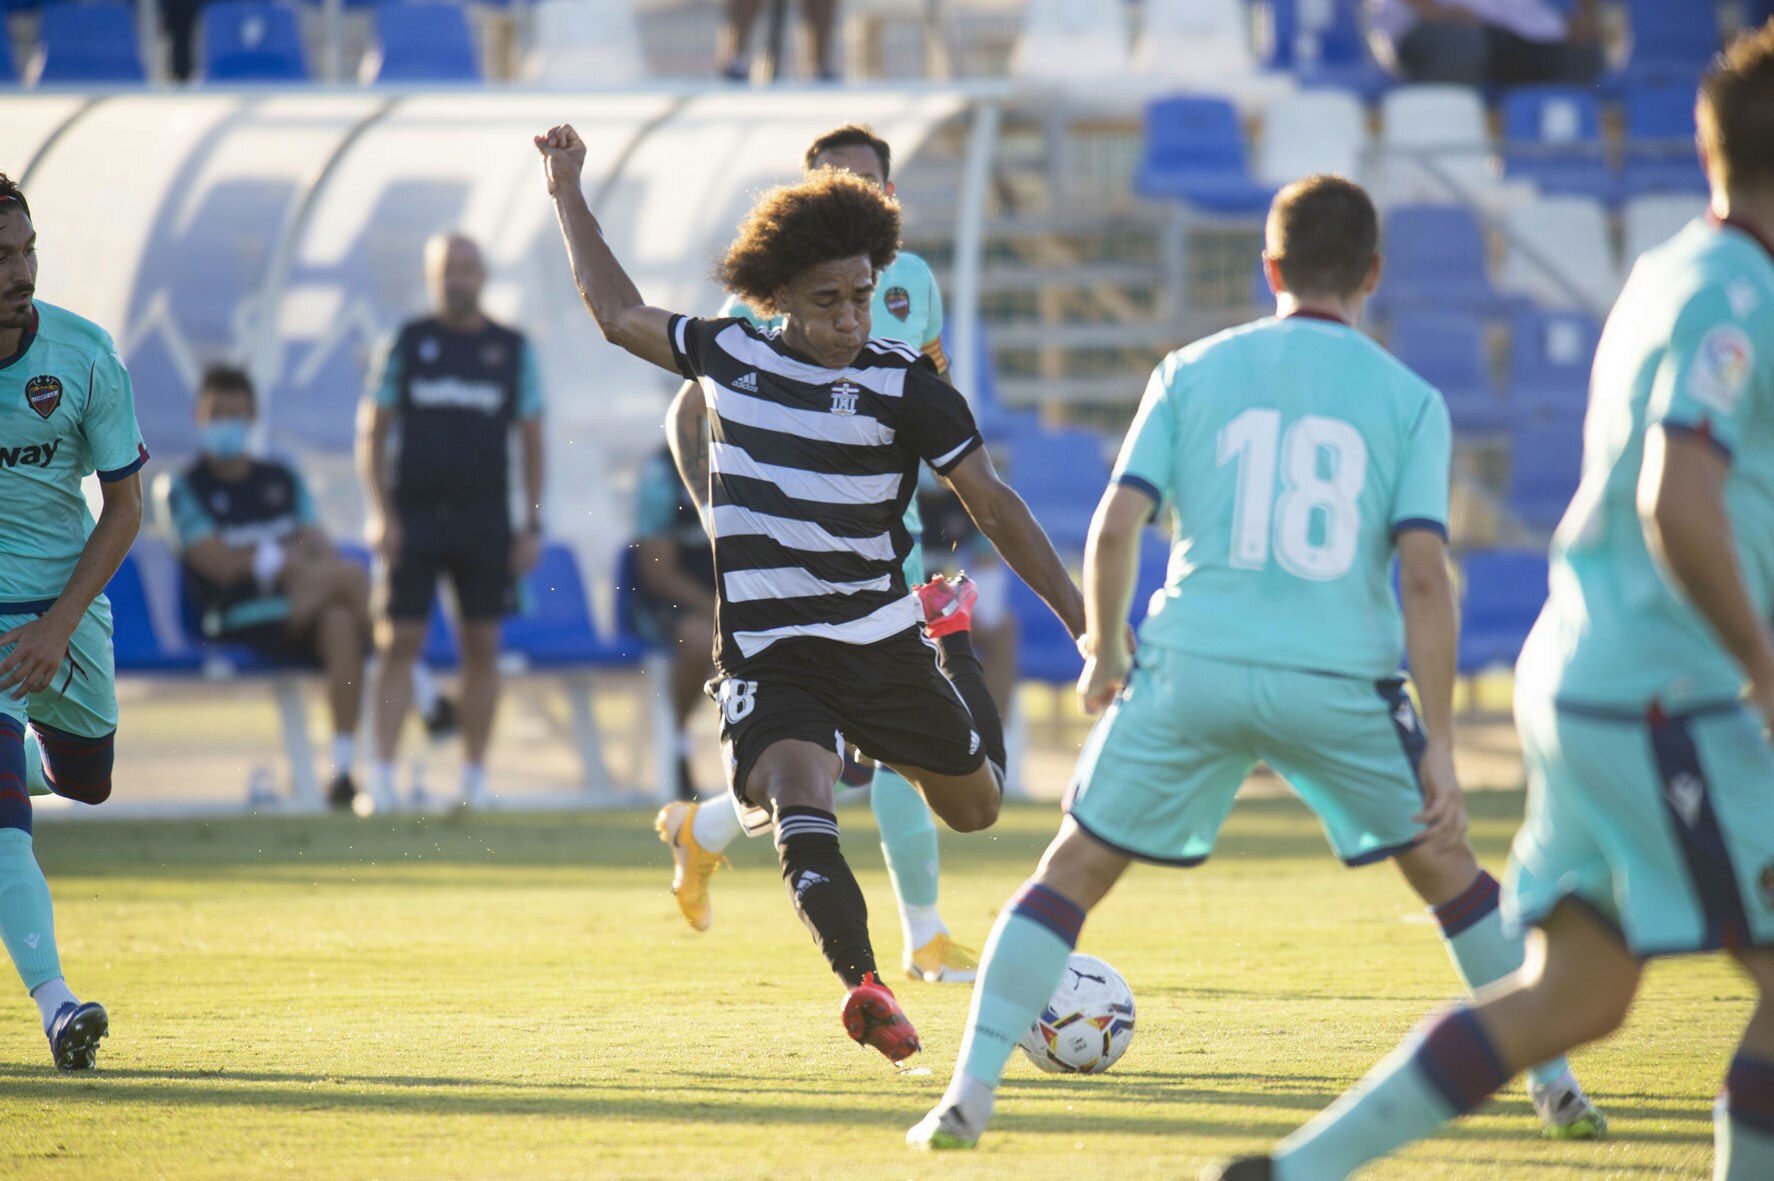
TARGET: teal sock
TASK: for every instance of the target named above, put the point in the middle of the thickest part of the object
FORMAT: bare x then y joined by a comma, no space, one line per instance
1472,928
35,782
908,840
1445,1070
1743,1122
27,921
1024,960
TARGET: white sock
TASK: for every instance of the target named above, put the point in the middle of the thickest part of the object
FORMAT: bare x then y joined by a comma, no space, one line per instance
973,1097
425,691
474,779
50,996
717,822
344,753
386,775
921,924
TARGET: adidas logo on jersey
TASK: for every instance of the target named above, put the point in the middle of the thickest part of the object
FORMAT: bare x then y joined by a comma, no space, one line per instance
748,383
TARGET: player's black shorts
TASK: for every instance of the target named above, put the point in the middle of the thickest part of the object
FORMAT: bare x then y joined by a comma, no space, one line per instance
274,641
472,546
889,700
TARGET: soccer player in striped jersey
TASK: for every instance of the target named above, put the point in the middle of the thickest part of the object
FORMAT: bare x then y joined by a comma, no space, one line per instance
1645,691
907,307
818,432
66,411
1300,461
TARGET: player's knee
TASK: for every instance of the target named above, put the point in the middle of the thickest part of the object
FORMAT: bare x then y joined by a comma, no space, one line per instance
77,768
972,814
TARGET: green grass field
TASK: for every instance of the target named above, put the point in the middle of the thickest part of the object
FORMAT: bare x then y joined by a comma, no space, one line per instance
515,996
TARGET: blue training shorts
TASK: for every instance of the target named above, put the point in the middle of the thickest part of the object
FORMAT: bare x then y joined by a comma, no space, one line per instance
1158,773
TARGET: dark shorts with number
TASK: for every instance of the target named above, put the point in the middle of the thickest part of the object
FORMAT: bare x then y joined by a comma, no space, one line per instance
472,546
889,700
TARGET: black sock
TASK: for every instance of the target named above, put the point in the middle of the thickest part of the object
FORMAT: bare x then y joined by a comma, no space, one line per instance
824,891
964,672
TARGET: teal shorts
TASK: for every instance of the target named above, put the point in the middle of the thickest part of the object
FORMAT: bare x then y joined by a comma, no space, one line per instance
83,698
1663,825
1157,775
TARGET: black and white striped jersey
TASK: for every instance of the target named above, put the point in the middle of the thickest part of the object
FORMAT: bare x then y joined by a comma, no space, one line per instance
810,473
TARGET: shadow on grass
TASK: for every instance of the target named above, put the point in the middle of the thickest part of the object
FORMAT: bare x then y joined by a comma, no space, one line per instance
1263,829
1097,1106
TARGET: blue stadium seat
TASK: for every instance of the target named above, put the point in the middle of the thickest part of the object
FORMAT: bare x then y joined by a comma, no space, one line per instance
1553,138
1324,44
555,629
1757,13
1672,40
81,44
424,43
1061,475
8,76
995,419
1550,354
1447,350
1435,257
1545,460
135,639
1194,151
252,41
1660,155
1505,590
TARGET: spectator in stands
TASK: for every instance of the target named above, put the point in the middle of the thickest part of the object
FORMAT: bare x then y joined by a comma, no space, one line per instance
259,571
674,599
1490,42
819,17
457,385
178,20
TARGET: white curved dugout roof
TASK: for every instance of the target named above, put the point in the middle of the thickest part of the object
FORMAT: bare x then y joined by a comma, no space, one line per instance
285,231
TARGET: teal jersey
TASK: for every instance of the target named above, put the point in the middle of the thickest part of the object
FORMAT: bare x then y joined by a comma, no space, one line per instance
66,411
1291,452
1688,347
907,308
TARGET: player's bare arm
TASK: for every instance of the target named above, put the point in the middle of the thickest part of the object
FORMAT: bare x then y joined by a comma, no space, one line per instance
526,547
1111,557
1012,529
1432,640
615,302
382,527
1681,504
686,431
42,644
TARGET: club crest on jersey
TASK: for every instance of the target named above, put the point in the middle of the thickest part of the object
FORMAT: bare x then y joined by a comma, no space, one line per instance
430,349
44,394
898,301
844,398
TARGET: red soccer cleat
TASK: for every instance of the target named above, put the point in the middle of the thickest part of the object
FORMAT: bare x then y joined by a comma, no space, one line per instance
948,606
872,1017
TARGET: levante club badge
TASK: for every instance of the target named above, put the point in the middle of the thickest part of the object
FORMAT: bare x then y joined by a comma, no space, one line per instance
44,394
899,302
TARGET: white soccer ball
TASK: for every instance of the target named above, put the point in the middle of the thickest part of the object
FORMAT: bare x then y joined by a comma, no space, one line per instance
1087,1024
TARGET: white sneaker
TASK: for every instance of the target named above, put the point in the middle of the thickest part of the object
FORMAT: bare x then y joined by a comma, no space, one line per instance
944,1129
1565,1112
475,797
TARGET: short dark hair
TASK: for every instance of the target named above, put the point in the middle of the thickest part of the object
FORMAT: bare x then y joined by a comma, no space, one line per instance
10,192
851,135
1735,111
1323,234
229,379
830,215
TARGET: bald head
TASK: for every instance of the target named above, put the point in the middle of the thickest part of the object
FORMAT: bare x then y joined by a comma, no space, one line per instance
454,275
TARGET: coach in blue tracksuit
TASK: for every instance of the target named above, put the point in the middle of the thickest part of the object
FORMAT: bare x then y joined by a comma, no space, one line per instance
455,385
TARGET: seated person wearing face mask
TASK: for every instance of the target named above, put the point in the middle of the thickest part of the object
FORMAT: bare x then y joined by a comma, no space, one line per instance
259,571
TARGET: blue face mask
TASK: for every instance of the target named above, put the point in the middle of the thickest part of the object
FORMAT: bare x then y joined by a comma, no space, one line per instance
224,438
